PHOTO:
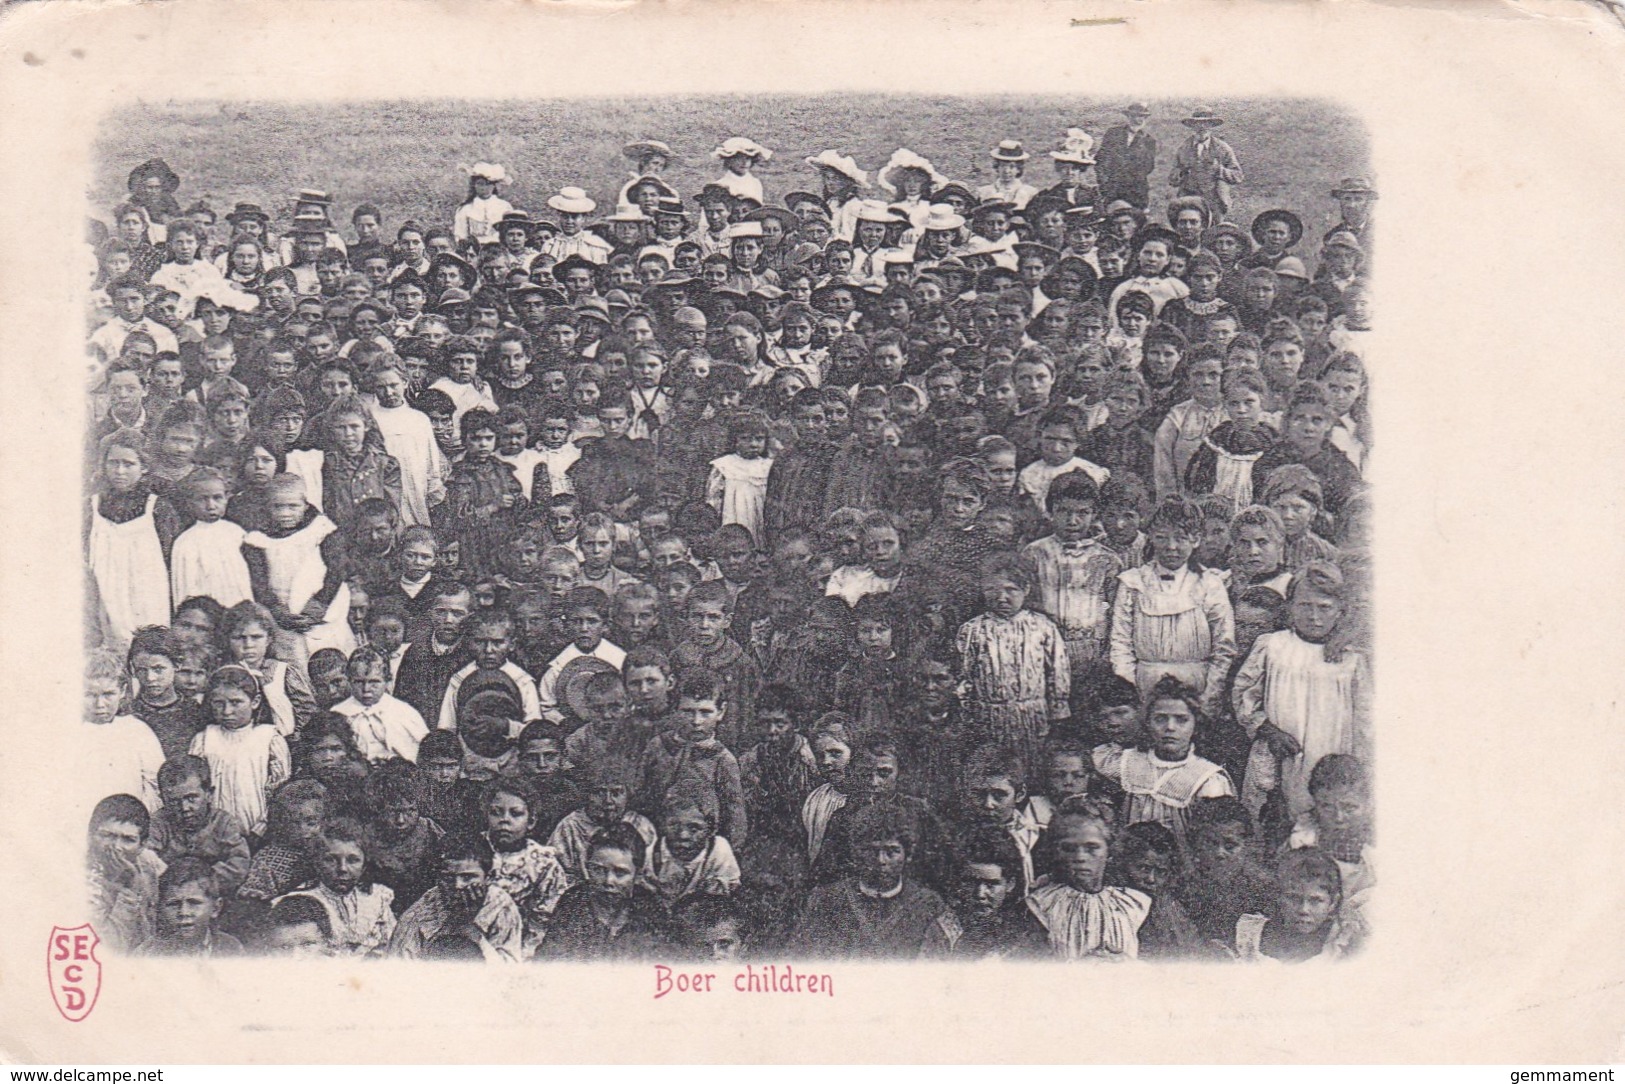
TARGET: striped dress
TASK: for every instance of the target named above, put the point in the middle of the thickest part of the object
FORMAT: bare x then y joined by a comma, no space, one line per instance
1018,678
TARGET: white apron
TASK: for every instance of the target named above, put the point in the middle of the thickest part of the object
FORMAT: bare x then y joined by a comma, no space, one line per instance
128,563
208,561
296,570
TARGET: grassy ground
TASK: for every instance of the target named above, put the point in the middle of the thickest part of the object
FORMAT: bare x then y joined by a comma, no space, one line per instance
403,155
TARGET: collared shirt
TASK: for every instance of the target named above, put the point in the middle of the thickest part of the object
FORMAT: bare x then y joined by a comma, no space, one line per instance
387,729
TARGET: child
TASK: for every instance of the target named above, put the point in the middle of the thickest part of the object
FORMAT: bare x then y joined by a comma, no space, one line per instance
1307,920
1302,693
463,904
207,558
477,217
1067,772
637,619
738,485
1224,883
490,635
523,868
153,658
610,782
1188,424
129,531
692,751
463,384
871,688
1258,551
284,860
188,905
1163,777
1169,618
883,561
384,727
540,762
993,794
611,915
707,645
123,872
596,540
690,857
249,632
359,912
1225,462
329,683
987,916
586,616
483,496
189,825
292,577
1120,444
1340,824
554,448
1344,381
1304,440
1148,861
247,756
401,841
1074,570
1059,433
1083,917
408,437
777,772
1294,493
1013,661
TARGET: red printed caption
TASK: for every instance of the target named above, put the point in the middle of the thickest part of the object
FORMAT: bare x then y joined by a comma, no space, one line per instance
73,971
767,979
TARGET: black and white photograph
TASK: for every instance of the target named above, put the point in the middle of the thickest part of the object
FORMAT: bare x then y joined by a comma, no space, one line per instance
730,528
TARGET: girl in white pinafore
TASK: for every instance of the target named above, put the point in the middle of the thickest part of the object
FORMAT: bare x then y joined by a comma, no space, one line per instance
295,572
1173,622
124,547
247,757
738,484
207,559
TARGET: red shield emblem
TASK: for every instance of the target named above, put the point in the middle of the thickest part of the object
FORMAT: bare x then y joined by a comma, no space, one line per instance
74,971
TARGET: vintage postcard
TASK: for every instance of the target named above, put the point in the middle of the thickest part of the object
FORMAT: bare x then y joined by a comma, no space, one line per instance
1004,532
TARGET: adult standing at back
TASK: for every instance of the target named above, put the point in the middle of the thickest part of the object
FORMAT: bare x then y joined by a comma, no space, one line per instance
1205,165
1126,159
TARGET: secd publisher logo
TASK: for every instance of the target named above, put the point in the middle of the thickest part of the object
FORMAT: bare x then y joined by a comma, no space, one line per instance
74,971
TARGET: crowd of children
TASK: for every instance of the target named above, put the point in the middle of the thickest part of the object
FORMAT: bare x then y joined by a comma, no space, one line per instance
891,568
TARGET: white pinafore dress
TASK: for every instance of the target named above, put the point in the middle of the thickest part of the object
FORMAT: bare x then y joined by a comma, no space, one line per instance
127,561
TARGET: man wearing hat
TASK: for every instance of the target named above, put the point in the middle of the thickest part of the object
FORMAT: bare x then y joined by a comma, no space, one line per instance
1072,161
573,206
1126,159
1354,196
842,183
1342,260
1276,231
1205,165
1009,162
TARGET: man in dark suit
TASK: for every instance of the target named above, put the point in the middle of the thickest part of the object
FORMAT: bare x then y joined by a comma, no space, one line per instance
1127,156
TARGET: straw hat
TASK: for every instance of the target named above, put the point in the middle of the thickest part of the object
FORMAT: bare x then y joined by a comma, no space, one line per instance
1010,150
844,164
737,145
489,171
942,219
903,158
1202,118
573,201
640,149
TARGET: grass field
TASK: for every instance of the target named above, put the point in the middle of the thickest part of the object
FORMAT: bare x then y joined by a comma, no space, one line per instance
404,155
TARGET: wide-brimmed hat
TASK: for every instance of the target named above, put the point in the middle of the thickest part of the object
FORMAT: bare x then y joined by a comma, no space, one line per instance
154,167
785,217
573,680
665,190
872,210
244,211
990,206
1010,150
1291,267
444,259
953,265
673,280
592,308
1293,223
489,171
1153,232
941,218
627,212
799,199
1084,214
844,164
901,159
1137,109
1227,229
1202,118
552,295
521,219
751,228
1355,186
639,149
572,200
314,195
1077,147
862,298
672,205
452,299
737,145
570,263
